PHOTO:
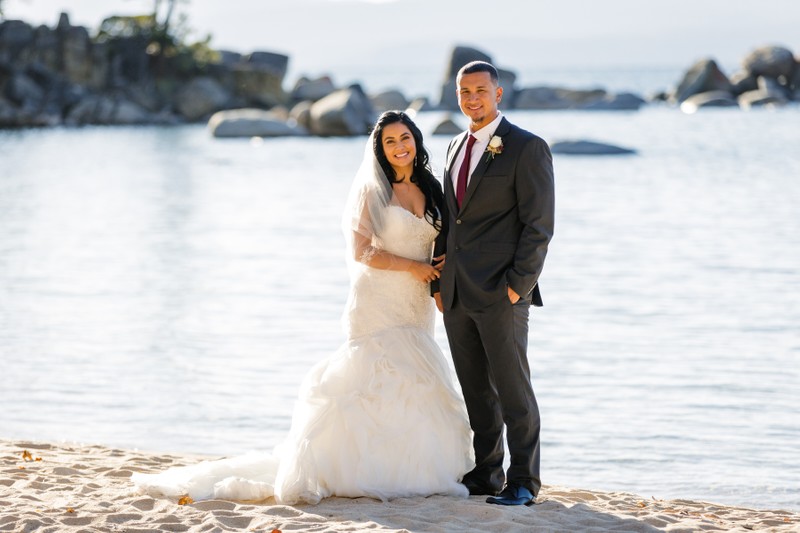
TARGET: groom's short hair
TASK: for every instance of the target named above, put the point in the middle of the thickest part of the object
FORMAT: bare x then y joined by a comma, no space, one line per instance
479,66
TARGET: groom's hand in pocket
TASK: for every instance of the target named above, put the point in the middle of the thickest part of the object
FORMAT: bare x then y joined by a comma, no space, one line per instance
437,297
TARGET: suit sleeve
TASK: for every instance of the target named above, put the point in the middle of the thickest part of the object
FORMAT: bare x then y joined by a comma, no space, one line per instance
536,203
440,246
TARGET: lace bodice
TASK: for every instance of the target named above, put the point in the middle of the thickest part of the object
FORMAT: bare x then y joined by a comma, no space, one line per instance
381,299
406,235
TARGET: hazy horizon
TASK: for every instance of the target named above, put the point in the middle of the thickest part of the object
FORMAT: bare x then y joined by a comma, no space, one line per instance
416,36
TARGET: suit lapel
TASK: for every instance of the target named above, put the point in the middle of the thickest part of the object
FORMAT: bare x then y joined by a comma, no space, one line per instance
483,164
450,193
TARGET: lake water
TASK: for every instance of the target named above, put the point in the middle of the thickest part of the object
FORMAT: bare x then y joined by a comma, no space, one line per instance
166,291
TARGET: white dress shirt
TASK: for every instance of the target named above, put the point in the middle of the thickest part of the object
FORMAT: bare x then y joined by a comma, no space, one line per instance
482,137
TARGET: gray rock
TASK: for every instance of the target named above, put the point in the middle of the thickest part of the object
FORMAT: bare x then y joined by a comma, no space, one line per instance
201,97
229,58
508,81
708,99
251,123
769,92
772,85
76,53
145,96
128,62
25,117
15,36
8,114
341,113
392,100
23,91
616,102
111,110
447,126
275,63
770,61
759,98
259,85
557,98
101,69
459,56
45,51
585,147
308,89
127,112
301,114
794,82
703,76
421,104
743,81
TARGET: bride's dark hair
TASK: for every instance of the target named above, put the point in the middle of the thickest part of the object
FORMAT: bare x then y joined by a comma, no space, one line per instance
421,175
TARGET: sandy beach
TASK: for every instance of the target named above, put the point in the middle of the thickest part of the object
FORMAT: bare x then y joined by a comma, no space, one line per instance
71,487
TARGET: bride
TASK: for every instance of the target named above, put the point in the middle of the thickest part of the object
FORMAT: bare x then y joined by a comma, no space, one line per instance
380,417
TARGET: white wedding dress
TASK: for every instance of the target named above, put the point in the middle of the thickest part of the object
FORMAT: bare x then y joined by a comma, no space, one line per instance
379,418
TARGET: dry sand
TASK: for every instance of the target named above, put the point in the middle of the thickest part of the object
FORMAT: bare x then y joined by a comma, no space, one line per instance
78,488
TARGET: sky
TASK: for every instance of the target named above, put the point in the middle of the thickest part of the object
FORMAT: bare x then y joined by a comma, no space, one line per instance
416,36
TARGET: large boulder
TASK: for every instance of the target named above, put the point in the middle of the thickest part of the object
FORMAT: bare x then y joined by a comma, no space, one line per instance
200,97
341,113
278,64
794,83
129,61
708,99
44,51
557,98
107,109
76,52
743,81
616,102
251,123
15,37
101,67
447,126
704,76
460,56
421,103
8,114
259,79
301,114
586,147
770,61
768,92
24,91
312,89
388,101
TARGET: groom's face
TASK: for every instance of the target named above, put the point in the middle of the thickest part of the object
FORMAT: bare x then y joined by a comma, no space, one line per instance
478,97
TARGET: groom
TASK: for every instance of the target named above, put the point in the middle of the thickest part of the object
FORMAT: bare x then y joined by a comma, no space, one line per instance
498,183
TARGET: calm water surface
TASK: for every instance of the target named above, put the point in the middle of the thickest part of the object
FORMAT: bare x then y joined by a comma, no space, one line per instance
163,290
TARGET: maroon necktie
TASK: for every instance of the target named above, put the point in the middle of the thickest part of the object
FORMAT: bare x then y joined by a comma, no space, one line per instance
463,172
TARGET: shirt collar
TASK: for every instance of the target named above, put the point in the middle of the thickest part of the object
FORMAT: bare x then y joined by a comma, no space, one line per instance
485,133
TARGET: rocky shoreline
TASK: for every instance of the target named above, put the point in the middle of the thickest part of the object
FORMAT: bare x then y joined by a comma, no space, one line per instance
62,76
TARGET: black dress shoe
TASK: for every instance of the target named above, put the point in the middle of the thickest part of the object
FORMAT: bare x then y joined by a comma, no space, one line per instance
477,488
512,495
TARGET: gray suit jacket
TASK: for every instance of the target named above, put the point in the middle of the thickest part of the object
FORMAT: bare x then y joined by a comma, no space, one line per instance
500,235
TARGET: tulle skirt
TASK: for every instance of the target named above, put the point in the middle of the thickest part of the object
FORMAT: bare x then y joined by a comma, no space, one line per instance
379,418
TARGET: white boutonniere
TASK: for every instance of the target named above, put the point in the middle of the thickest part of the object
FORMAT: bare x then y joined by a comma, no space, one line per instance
495,147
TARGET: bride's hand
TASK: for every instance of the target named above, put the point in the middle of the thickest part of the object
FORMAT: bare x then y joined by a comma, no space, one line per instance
423,272
438,262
